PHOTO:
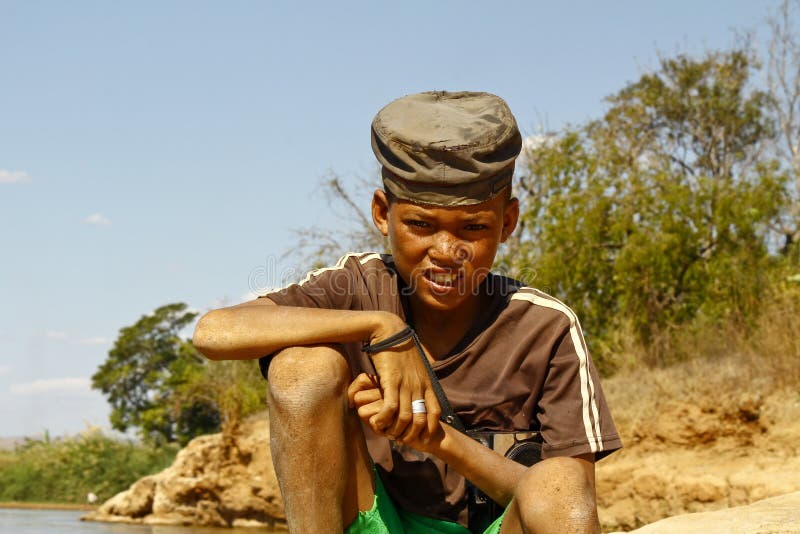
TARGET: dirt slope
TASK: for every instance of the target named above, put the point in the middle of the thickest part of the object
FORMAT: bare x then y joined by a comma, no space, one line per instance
703,453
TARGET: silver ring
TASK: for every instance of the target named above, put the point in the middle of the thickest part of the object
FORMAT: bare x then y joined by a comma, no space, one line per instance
418,406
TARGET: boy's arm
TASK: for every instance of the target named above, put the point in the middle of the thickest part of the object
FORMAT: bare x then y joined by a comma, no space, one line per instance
494,474
257,328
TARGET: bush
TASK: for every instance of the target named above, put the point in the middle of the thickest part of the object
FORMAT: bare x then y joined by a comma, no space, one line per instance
66,470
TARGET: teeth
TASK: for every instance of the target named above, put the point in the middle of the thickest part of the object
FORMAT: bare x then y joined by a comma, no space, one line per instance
443,278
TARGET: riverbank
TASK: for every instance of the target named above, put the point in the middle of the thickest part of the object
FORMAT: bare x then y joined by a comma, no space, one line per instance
47,506
68,469
20,521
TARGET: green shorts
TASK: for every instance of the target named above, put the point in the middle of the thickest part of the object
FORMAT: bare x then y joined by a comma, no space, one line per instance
384,518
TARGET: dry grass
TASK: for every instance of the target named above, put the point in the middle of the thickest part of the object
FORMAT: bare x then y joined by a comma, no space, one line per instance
725,370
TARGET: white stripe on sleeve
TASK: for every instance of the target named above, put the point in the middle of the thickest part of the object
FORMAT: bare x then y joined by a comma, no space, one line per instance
589,405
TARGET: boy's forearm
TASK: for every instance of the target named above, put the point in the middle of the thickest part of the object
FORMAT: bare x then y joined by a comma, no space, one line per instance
487,469
249,332
494,474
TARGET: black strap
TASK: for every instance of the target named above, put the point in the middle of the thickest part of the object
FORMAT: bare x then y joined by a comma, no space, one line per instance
448,416
389,342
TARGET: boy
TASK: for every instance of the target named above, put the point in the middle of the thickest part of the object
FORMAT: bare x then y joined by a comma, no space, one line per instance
356,438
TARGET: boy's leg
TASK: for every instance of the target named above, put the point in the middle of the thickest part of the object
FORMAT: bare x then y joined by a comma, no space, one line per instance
554,496
318,446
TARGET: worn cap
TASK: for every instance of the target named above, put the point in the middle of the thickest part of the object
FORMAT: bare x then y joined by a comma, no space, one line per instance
446,149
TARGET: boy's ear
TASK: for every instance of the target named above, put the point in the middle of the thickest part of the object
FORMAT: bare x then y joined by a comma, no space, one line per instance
380,212
510,218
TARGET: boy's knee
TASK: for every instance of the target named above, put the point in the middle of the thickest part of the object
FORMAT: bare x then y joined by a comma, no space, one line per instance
557,492
304,377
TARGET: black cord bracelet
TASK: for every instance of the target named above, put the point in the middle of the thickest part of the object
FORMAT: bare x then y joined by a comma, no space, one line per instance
397,339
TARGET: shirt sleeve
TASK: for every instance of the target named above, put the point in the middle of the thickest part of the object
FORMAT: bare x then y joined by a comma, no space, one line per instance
573,415
330,288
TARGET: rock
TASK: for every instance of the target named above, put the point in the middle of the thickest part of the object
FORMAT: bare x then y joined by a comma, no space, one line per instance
777,515
216,480
135,502
704,489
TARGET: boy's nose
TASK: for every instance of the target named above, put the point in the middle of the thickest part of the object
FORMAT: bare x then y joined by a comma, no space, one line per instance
448,250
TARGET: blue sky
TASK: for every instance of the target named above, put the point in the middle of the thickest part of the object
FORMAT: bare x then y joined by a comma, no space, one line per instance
154,152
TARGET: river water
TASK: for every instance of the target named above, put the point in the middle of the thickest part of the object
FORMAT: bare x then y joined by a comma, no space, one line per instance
14,520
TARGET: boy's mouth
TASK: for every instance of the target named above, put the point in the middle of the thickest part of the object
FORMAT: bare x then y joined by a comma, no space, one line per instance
443,279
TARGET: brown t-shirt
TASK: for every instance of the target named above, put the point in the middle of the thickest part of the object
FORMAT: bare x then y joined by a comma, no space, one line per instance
522,367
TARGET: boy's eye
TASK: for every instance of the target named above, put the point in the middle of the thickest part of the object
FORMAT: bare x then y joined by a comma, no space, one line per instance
417,223
476,227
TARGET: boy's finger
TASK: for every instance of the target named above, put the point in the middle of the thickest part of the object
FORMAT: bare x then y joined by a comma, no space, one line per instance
360,398
386,415
403,417
366,411
361,382
417,425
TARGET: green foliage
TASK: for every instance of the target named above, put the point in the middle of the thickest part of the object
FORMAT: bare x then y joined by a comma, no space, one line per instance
659,213
157,382
235,387
143,374
65,471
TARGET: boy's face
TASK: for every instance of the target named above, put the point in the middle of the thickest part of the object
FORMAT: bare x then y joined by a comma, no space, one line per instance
443,254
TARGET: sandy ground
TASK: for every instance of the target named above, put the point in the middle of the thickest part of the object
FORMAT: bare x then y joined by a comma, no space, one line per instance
703,452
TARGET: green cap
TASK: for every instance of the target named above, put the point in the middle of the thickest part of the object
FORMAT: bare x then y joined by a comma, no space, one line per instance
446,149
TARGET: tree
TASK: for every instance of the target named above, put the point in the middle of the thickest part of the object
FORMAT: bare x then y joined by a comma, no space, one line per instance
783,86
234,387
143,376
317,247
657,213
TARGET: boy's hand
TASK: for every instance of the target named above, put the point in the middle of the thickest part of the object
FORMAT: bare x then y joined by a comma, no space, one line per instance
365,396
402,378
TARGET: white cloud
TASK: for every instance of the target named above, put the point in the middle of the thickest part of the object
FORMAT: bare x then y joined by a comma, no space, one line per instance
79,386
97,219
56,334
5,370
97,340
13,177
533,142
